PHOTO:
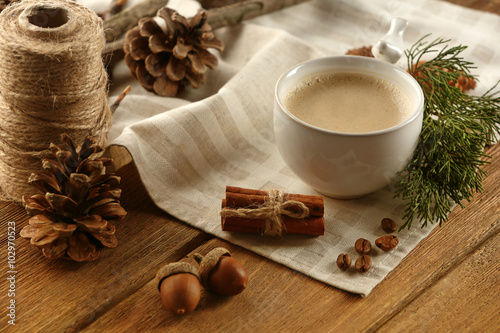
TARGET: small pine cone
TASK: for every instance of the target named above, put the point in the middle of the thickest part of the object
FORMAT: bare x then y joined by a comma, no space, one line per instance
464,82
71,219
167,52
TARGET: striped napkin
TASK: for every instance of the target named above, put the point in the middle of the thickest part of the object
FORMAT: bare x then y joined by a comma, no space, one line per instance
188,149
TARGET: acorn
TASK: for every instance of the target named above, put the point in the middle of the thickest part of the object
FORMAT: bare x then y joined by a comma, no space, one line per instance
179,285
222,273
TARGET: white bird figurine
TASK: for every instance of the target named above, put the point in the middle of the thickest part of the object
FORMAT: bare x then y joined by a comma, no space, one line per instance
390,47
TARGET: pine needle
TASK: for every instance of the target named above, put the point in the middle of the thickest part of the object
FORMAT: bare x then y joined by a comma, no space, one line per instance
446,166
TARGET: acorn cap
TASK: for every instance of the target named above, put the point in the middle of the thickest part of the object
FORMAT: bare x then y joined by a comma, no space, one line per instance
187,265
210,261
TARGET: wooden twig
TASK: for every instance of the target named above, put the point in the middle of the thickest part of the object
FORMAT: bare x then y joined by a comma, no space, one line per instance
115,47
244,10
207,4
118,24
120,98
115,7
232,14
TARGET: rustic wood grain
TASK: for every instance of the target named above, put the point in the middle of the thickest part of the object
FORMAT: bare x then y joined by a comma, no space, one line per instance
278,299
270,294
472,285
62,295
445,248
492,6
449,282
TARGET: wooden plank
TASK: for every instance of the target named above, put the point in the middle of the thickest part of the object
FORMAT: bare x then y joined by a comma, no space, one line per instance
469,293
271,294
116,293
492,6
279,299
61,295
466,230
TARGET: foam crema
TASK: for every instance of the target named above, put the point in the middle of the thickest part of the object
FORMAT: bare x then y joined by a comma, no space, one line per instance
348,102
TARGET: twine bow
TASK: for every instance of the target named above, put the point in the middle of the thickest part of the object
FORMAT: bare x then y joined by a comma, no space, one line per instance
271,211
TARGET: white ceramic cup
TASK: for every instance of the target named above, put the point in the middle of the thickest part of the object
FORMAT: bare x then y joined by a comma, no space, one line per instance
344,165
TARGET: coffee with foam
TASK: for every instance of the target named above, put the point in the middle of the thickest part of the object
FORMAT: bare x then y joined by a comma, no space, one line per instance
348,102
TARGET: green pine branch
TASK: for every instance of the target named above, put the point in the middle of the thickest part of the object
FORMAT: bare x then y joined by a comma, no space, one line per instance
446,166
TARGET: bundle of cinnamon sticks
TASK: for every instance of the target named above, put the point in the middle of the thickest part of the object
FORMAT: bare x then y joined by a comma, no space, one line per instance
238,199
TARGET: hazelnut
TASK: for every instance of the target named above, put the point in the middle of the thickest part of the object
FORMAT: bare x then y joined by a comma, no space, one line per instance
228,277
180,293
222,273
179,285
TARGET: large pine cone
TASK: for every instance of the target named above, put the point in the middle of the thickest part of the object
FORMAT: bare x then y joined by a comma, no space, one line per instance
72,218
167,52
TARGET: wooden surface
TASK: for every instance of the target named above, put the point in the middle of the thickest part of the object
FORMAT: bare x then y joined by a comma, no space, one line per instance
449,283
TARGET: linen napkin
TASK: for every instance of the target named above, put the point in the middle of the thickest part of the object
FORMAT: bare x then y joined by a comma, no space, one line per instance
187,149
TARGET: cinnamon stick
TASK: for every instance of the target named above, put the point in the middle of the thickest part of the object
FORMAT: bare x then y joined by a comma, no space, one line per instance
237,197
243,198
308,226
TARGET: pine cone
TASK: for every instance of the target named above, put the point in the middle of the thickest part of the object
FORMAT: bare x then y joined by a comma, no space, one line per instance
72,218
464,82
167,52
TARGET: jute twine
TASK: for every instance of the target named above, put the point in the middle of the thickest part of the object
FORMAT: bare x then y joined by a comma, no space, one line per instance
52,81
270,212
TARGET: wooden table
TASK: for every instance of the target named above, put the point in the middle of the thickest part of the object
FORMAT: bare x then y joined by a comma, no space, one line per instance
449,282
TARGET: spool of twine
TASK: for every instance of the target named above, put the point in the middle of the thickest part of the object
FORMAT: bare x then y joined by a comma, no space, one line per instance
52,81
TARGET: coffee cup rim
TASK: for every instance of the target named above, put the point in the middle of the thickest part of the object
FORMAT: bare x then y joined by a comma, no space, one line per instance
418,108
